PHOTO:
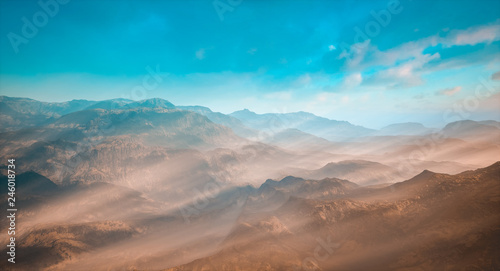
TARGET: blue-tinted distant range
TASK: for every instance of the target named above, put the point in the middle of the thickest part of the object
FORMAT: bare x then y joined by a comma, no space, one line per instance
372,63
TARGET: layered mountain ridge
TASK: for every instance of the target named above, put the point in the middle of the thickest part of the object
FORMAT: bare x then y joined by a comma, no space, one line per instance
156,186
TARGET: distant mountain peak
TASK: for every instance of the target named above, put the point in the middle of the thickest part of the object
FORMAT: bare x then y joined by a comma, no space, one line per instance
244,112
151,103
466,124
409,123
196,108
424,176
426,172
405,128
290,179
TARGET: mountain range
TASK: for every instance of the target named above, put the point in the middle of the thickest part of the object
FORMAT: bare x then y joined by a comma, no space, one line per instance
429,221
155,186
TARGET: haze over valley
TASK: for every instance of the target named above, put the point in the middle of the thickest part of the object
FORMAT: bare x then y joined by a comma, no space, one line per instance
248,135
156,186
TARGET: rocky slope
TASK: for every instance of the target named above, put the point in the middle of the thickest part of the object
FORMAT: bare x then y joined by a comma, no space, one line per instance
430,222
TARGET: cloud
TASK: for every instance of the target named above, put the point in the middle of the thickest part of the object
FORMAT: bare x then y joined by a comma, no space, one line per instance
401,66
495,76
303,80
252,51
406,51
331,47
355,56
449,91
352,80
473,35
364,55
405,75
200,54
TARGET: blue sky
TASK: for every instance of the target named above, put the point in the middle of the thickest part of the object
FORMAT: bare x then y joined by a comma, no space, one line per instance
344,60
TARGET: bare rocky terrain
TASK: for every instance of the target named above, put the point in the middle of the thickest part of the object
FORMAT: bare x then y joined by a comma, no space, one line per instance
147,185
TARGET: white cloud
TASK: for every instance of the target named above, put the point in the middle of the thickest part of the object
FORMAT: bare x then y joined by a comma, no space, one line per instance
407,74
303,80
449,91
331,47
200,54
352,80
473,35
356,55
402,66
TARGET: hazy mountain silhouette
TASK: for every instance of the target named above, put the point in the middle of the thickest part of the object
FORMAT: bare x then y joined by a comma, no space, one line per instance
322,127
235,124
110,104
473,130
358,171
295,139
150,103
409,128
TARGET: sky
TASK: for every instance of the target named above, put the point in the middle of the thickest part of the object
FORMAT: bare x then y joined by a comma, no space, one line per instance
372,63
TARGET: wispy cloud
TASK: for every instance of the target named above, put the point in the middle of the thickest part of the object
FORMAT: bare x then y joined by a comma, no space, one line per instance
473,35
403,66
200,54
303,80
352,80
252,51
408,74
363,55
449,91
